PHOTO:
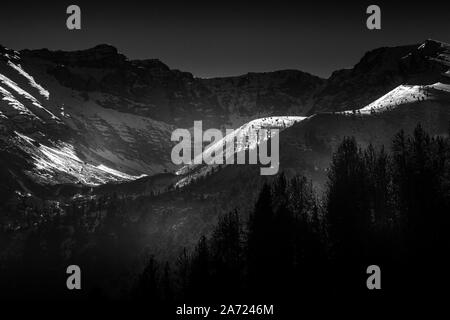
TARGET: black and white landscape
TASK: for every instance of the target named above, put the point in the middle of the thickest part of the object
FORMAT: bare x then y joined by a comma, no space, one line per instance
86,178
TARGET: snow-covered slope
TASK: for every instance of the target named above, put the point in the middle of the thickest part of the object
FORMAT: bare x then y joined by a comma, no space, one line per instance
404,94
232,144
67,136
380,71
59,162
18,102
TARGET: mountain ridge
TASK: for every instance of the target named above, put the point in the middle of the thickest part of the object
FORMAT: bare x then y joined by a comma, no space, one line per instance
117,114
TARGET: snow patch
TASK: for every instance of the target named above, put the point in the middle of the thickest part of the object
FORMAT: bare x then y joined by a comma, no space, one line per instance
63,158
12,85
60,162
30,79
24,137
118,173
13,102
442,86
403,94
400,95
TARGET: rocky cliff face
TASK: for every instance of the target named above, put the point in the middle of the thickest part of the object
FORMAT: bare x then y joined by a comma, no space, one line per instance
149,88
271,93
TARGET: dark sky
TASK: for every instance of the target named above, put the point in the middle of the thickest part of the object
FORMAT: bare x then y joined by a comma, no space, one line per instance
220,38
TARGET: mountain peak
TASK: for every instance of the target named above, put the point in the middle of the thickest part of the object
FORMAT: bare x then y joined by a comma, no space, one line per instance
103,48
102,55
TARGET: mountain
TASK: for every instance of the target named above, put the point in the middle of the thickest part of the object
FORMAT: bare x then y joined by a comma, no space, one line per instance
93,117
151,89
380,71
59,137
307,147
263,94
234,145
396,88
307,143
176,217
